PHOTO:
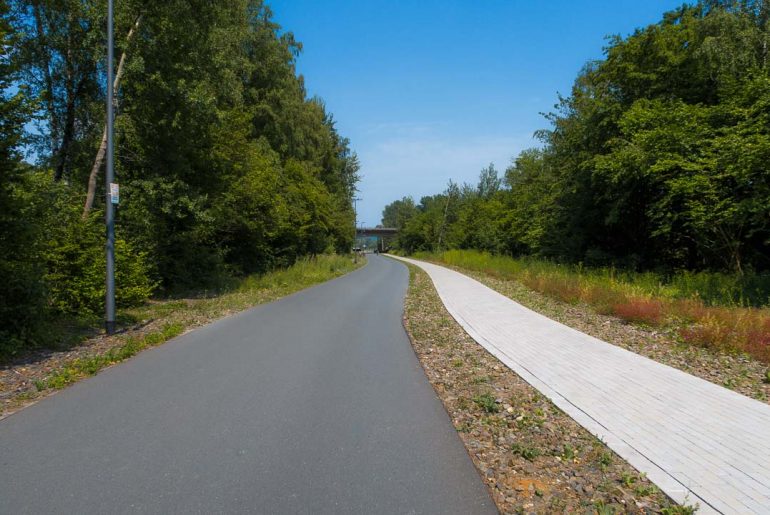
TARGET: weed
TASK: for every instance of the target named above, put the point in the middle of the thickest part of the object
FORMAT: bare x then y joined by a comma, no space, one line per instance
627,479
457,363
603,508
605,459
493,421
569,452
526,452
557,505
487,402
484,379
677,509
645,490
766,379
464,427
645,311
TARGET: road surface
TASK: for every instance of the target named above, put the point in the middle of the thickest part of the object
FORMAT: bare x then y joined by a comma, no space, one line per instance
312,404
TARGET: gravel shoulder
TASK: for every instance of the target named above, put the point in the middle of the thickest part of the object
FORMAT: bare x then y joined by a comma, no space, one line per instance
534,458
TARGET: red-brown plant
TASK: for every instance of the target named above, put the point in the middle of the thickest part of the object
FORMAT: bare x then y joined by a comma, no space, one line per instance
640,310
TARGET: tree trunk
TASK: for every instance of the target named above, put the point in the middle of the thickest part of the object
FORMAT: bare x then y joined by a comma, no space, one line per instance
443,223
100,154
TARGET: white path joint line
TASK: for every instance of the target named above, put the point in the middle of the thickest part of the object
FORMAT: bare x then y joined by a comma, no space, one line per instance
697,441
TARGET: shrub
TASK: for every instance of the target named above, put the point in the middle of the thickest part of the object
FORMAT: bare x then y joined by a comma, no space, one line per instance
75,270
22,296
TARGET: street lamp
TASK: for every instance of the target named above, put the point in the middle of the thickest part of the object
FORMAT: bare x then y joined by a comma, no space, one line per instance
109,179
355,228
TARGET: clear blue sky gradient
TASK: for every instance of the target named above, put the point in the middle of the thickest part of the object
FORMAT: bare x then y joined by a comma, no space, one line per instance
429,91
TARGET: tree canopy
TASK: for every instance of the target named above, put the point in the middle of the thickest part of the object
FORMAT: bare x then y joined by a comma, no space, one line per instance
658,159
226,165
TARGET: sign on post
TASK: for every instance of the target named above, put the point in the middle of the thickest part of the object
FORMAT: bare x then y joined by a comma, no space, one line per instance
114,193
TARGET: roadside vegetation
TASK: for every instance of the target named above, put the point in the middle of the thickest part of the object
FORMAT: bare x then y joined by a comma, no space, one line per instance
702,309
41,372
227,168
533,457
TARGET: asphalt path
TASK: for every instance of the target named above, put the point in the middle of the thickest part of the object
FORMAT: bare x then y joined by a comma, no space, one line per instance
315,403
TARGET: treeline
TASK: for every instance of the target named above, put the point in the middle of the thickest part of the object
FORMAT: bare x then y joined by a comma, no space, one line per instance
659,159
226,166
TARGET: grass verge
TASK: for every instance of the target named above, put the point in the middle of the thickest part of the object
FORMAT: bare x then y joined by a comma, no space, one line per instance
533,457
715,311
31,377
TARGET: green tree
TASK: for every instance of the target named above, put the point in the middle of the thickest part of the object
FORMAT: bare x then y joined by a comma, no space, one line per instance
21,292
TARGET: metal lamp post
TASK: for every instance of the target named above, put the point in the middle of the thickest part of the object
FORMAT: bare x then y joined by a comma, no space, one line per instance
109,179
355,228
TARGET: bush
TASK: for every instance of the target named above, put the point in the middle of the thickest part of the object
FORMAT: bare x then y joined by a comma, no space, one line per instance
76,268
22,296
22,301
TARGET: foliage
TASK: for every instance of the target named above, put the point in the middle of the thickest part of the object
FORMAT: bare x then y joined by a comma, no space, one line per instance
657,160
21,293
649,197
226,167
75,270
486,402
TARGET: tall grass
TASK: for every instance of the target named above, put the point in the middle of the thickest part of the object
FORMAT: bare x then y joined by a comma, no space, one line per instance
718,311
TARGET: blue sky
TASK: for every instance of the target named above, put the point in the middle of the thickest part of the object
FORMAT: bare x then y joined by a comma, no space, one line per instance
432,90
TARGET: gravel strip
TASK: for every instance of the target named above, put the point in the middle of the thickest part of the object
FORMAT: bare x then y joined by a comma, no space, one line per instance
19,378
533,457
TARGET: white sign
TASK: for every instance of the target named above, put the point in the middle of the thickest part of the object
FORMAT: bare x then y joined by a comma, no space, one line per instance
114,192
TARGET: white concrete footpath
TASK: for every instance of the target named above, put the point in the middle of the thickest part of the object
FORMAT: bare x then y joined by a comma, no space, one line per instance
699,442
